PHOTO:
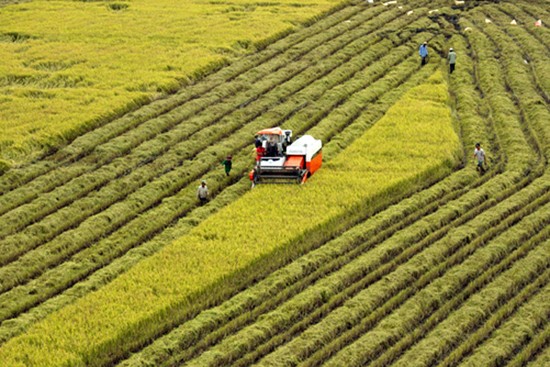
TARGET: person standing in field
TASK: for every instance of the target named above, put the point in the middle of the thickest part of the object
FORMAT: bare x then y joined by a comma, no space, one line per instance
202,193
260,152
423,52
479,154
451,58
227,163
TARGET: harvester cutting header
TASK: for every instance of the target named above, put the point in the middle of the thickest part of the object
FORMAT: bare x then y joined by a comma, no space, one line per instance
279,160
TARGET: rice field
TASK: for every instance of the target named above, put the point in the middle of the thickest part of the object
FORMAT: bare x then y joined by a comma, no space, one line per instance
396,252
106,58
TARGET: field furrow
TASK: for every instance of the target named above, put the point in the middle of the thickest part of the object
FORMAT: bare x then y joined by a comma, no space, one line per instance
224,331
533,350
530,15
532,177
473,316
508,339
341,330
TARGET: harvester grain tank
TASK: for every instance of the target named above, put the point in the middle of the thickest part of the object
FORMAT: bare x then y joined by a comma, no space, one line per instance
282,161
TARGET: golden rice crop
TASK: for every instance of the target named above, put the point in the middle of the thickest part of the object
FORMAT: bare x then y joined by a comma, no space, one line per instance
59,78
414,137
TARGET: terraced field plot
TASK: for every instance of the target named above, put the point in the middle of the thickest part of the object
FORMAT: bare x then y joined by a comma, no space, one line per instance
447,271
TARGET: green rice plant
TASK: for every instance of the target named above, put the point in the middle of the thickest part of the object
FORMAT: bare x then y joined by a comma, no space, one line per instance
49,183
530,15
515,76
523,83
541,359
223,332
147,149
207,241
101,258
449,325
361,104
110,129
511,181
85,144
505,115
533,349
522,326
196,334
481,330
475,124
411,313
526,37
332,290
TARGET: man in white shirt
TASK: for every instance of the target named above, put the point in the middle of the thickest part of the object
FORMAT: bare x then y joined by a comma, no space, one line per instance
451,57
202,193
479,154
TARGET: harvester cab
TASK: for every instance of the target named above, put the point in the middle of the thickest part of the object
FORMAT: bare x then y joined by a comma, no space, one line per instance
278,160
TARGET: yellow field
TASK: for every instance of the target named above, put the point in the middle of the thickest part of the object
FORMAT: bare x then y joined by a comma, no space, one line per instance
70,65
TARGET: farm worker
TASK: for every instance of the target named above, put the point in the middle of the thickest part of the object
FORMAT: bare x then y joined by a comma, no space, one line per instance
272,150
202,192
451,57
260,152
423,52
479,154
227,163
253,175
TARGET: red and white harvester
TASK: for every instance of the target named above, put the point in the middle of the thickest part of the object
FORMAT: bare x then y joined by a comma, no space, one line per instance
279,160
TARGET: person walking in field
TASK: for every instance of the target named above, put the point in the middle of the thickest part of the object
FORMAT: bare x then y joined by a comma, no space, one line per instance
451,58
423,52
227,163
479,154
202,193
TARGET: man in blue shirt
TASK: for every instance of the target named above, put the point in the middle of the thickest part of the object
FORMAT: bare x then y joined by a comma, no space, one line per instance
423,51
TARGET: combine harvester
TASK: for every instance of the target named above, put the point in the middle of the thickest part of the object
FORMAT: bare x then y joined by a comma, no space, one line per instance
279,161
